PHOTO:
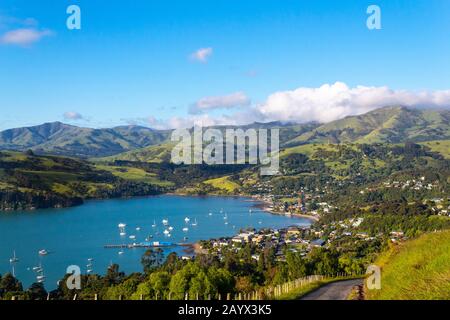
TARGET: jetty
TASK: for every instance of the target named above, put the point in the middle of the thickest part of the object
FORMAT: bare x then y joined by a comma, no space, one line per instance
154,244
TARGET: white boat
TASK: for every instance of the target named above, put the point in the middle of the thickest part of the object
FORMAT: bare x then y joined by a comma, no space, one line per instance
89,270
154,224
165,222
120,252
138,229
123,234
185,229
90,259
43,252
122,225
194,224
187,220
166,232
132,237
226,222
170,228
225,217
210,214
14,259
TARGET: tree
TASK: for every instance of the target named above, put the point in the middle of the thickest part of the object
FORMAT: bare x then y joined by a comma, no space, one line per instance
152,259
9,284
37,292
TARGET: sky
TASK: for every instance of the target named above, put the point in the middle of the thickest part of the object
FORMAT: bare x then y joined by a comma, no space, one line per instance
166,63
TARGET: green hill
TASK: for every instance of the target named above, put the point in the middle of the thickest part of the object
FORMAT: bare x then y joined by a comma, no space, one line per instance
416,270
134,143
390,124
29,181
63,139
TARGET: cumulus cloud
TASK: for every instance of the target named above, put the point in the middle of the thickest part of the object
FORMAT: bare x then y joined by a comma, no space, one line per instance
72,115
24,36
323,104
202,55
233,100
335,101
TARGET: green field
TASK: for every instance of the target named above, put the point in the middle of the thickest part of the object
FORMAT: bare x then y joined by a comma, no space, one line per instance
416,270
223,183
134,174
441,146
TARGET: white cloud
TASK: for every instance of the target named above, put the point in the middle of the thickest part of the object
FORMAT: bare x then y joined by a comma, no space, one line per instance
323,104
335,101
234,100
24,36
202,55
72,115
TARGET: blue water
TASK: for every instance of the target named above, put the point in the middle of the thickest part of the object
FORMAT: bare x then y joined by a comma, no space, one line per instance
73,235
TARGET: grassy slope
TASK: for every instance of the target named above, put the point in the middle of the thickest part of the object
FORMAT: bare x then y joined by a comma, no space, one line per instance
441,146
223,183
134,174
417,269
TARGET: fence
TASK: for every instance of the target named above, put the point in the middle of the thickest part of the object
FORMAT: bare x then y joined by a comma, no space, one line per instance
264,293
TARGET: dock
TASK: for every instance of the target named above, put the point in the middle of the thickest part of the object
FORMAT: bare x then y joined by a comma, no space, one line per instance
155,244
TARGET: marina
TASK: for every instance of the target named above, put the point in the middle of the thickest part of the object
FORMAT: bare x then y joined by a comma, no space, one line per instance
53,239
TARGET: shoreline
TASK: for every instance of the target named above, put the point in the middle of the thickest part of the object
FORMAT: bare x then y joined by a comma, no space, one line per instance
264,205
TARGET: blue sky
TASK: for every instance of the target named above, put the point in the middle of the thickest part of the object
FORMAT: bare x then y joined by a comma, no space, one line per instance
132,60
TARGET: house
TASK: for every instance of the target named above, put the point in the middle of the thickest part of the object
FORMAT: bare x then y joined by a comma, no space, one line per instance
318,243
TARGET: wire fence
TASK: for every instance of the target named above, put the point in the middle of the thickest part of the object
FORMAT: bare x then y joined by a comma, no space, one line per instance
263,293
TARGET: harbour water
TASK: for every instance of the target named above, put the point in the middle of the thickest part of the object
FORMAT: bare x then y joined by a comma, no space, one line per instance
71,236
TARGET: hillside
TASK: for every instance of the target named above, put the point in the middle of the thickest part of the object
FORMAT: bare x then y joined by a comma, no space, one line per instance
134,143
417,269
63,139
28,181
385,125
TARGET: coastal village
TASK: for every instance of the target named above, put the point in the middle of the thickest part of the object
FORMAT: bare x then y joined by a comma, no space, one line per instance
303,239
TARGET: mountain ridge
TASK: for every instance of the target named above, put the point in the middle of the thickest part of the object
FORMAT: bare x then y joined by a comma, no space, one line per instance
393,124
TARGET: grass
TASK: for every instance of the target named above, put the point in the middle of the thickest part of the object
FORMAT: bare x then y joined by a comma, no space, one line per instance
416,270
223,183
442,147
134,174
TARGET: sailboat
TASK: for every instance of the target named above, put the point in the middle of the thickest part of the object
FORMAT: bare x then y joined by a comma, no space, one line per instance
194,224
14,259
165,222
122,227
187,220
89,267
154,224
166,232
43,252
